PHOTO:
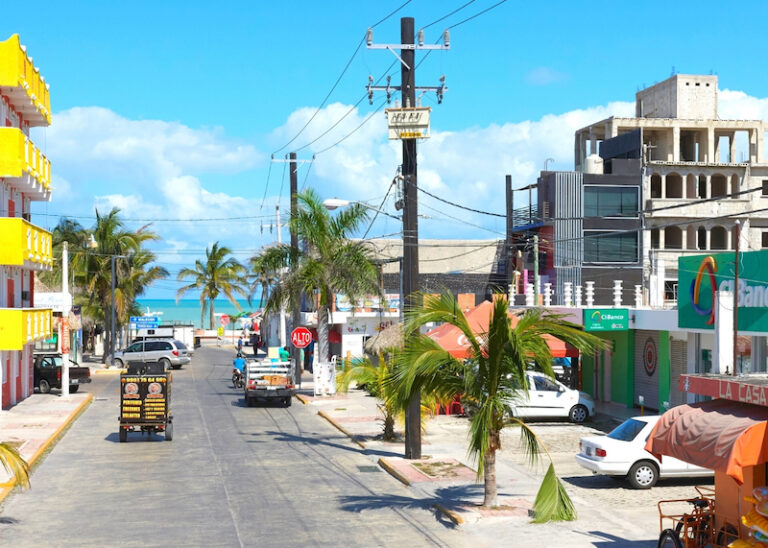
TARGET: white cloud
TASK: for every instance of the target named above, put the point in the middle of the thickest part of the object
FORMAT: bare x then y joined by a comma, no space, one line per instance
544,76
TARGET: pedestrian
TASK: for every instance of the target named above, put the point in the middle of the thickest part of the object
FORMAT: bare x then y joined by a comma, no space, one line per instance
240,344
284,354
309,354
255,342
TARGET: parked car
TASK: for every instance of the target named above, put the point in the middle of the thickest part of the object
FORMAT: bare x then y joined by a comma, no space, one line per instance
47,373
171,353
622,454
548,397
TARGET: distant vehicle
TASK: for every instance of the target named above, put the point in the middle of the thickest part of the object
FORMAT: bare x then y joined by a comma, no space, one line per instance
622,454
171,353
47,373
548,397
270,381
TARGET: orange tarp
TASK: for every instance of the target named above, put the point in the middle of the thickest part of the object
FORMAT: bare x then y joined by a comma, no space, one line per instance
453,340
723,435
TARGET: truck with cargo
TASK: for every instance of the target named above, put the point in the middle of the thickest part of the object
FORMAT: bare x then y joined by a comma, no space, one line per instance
268,381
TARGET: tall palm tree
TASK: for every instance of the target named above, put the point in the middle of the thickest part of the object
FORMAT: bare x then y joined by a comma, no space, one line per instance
329,263
218,274
67,230
93,269
14,464
487,381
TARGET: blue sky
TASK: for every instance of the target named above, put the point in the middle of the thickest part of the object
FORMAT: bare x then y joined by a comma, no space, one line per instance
172,109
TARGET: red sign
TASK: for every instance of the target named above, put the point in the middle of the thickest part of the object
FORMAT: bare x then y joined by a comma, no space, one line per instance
301,337
224,320
726,389
64,335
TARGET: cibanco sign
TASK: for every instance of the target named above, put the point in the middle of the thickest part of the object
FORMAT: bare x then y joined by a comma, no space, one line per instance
701,276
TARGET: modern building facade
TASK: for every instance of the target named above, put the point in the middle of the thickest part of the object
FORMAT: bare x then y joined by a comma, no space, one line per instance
25,176
699,173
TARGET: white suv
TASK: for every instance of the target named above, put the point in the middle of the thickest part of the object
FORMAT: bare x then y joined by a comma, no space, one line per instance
171,353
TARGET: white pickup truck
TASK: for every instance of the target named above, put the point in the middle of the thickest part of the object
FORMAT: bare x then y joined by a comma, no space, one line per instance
267,380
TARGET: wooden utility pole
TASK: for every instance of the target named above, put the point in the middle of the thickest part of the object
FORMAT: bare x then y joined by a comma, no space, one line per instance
296,306
737,234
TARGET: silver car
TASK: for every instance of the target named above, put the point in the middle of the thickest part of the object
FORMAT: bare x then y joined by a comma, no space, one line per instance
171,353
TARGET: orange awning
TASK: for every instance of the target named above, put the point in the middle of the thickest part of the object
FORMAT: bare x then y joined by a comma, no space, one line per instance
719,434
453,340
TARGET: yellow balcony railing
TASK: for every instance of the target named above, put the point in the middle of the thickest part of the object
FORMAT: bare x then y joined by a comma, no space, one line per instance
22,83
23,163
24,244
19,326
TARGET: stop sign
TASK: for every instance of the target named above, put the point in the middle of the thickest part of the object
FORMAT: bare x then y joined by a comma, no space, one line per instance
224,320
301,337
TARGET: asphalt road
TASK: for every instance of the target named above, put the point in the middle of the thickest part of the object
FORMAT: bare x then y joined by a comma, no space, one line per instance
232,476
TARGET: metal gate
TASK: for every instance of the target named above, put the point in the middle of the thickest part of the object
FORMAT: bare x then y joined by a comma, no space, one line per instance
678,358
647,368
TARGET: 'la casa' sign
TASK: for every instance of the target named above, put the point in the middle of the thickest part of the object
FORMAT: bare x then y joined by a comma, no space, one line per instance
728,390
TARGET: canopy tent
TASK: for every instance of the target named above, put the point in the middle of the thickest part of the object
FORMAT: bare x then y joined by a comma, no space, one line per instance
453,340
723,435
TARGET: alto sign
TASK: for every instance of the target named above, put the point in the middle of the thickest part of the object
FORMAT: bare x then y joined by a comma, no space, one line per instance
301,337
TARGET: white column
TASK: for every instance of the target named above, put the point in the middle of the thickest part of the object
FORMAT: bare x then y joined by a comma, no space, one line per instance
617,293
638,296
547,294
590,293
663,185
567,294
529,294
723,351
578,296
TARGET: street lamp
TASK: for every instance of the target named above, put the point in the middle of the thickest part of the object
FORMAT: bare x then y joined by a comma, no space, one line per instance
112,326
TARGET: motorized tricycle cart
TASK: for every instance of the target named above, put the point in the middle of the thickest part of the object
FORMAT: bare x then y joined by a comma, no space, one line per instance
145,400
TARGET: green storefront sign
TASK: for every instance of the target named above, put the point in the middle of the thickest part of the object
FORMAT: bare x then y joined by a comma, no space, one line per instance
700,276
606,319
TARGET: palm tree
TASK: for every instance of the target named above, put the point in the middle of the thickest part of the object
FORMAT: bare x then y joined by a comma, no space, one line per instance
487,381
67,230
93,269
218,274
375,378
14,464
329,263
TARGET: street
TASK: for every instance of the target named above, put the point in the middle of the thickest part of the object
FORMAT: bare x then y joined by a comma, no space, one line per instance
232,476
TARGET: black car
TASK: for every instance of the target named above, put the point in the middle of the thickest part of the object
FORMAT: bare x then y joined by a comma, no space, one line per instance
48,373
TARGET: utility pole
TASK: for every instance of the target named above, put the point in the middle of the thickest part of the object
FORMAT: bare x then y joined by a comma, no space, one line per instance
112,323
536,270
737,234
281,331
64,319
410,225
510,229
296,306
410,263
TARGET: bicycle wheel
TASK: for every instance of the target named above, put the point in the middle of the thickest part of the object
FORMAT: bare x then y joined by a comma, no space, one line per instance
696,530
669,539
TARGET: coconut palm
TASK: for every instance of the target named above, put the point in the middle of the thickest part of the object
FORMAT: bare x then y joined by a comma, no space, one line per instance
218,274
93,269
14,464
487,381
329,263
375,378
67,230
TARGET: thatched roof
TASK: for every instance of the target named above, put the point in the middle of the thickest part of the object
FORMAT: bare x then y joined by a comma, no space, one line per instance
388,338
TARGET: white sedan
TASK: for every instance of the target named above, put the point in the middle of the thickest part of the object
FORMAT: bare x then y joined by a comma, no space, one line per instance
622,454
547,397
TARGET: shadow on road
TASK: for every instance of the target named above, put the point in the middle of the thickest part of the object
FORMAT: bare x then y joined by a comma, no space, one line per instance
613,541
284,436
610,482
135,436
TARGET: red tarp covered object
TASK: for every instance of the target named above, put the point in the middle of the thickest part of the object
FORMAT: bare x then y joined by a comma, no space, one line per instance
719,434
333,336
453,340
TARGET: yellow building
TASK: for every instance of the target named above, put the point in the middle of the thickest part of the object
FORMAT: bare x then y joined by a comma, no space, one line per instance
25,176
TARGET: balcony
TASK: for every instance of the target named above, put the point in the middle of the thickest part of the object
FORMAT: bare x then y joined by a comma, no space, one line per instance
20,326
23,166
24,244
21,82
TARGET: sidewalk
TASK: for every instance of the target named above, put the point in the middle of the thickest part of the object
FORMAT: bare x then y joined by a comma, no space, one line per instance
34,424
446,479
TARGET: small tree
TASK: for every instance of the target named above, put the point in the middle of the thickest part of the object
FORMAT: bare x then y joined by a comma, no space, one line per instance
494,372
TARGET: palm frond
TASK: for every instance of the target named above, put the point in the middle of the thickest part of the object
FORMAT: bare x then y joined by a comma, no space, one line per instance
14,464
552,501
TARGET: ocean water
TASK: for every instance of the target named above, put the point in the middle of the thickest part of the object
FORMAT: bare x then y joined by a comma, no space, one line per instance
187,311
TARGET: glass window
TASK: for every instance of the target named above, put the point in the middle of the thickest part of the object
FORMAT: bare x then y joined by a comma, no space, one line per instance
765,238
165,346
152,346
135,347
606,247
180,345
627,430
765,188
610,201
544,384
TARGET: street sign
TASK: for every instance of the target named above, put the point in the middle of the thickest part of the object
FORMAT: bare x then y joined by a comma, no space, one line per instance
606,319
145,322
301,337
220,331
224,320
408,123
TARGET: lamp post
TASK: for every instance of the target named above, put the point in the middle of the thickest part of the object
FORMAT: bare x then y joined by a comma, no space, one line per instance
64,330
112,325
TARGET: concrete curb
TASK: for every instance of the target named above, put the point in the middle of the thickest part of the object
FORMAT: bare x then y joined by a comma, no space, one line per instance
455,517
8,488
97,371
341,429
392,471
302,398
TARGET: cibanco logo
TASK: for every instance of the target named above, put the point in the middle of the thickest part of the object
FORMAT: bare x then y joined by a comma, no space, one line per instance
710,265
